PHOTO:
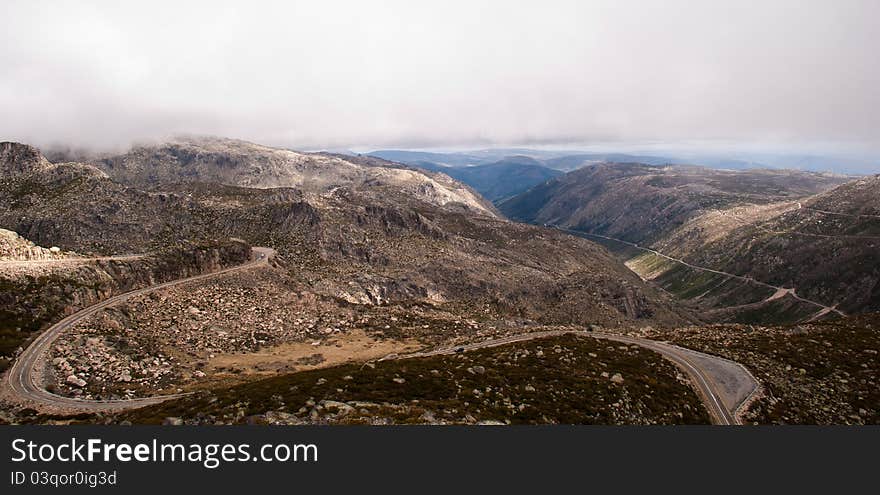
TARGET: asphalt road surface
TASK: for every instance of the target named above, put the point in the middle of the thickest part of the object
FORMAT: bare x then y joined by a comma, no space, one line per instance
24,380
723,385
823,309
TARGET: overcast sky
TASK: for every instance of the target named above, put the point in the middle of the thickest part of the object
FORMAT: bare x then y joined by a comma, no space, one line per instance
359,74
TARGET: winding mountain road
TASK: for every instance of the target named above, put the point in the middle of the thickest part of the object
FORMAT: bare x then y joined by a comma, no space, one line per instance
724,386
23,379
794,208
780,291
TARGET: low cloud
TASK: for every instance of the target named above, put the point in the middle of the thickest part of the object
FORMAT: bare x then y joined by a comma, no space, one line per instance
369,74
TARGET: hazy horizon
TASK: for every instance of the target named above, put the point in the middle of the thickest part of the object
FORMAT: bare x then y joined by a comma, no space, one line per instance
800,77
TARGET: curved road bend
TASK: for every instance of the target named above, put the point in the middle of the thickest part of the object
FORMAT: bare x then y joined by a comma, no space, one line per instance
723,385
23,377
823,309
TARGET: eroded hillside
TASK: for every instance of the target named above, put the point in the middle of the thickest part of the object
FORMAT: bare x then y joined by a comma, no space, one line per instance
756,246
642,203
363,262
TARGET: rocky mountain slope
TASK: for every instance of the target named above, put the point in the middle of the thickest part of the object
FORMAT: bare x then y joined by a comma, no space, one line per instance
754,246
365,265
77,207
641,203
13,247
374,258
17,159
361,232
826,246
33,296
239,163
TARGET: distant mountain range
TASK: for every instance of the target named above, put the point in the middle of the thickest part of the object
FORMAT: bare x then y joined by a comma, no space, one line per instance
374,258
502,179
739,216
739,246
499,174
567,160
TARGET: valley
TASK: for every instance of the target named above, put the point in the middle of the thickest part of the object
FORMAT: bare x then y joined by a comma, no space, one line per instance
262,285
468,247
745,247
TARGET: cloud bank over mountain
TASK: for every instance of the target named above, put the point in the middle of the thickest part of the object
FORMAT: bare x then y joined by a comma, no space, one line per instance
334,74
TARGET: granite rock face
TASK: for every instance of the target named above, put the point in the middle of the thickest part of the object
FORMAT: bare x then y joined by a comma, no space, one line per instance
13,247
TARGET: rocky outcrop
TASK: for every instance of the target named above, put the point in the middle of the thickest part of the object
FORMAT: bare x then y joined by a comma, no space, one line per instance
360,231
33,298
78,208
13,247
17,159
239,163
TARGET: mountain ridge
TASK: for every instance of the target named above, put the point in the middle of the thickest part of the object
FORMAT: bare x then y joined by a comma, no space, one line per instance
736,246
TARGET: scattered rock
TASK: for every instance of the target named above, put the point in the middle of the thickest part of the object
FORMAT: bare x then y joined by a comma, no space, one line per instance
76,381
341,407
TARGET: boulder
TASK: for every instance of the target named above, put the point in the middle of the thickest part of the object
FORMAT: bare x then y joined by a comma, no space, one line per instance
341,407
75,381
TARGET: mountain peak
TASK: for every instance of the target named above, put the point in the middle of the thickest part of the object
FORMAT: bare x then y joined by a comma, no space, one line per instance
18,158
